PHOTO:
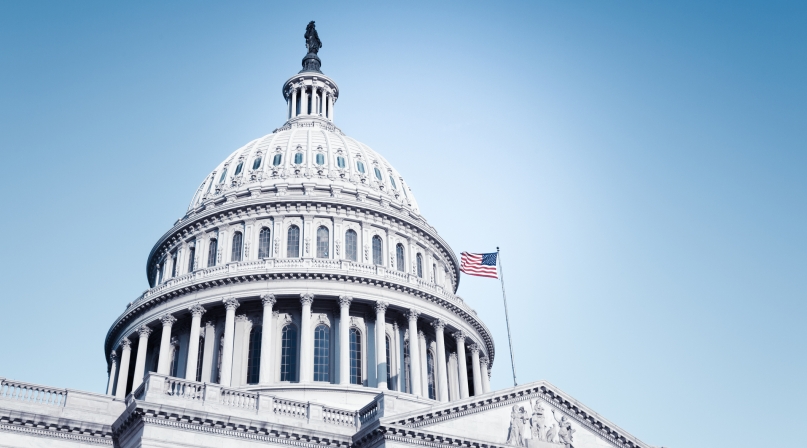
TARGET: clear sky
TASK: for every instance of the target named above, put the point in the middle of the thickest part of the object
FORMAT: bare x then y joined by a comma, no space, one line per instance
642,165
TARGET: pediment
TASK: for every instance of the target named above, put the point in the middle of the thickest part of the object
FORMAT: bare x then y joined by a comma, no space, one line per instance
535,415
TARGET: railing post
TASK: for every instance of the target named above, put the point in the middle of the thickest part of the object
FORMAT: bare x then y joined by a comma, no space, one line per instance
314,412
266,404
212,393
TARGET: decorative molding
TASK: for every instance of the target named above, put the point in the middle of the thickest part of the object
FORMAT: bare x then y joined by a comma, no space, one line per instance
306,298
438,324
268,299
126,344
168,320
381,306
345,301
459,336
197,310
412,314
230,303
144,331
474,348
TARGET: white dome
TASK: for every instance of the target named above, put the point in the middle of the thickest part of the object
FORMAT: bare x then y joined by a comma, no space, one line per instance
307,156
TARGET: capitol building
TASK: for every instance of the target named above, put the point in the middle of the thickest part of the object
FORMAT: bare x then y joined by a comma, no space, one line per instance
302,300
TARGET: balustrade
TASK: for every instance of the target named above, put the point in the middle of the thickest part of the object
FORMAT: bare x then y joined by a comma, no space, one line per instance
238,399
339,417
32,393
184,389
290,408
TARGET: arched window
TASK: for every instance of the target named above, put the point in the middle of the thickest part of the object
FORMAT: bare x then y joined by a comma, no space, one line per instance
191,258
298,158
320,159
389,366
399,258
378,258
392,181
430,373
434,273
239,168
351,245
223,176
264,242
340,162
378,174
419,262
173,264
323,242
254,355
257,163
293,242
322,358
276,160
212,250
355,356
360,166
238,246
288,353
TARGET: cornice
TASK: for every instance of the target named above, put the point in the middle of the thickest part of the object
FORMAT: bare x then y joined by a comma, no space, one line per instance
54,427
57,433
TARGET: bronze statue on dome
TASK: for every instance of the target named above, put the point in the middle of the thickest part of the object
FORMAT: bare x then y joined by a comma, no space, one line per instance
312,41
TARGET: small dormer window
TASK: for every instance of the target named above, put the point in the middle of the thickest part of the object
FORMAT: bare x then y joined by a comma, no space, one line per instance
277,159
298,158
320,159
223,175
378,174
392,181
360,166
257,163
340,162
238,168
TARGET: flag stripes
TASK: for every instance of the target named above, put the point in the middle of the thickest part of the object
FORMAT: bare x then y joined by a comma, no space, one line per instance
480,265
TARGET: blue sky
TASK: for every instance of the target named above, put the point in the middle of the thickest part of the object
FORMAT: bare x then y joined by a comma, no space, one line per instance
642,165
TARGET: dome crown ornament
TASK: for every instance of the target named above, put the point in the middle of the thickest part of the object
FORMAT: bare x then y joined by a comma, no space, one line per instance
311,62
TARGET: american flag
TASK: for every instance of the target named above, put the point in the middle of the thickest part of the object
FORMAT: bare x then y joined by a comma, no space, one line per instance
481,265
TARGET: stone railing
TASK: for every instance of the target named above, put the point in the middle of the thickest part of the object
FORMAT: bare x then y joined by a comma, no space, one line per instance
162,389
32,393
368,413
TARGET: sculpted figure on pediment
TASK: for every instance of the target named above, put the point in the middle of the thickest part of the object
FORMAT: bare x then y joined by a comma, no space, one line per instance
538,421
518,419
565,430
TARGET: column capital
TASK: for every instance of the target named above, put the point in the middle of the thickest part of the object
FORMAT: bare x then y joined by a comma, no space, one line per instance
413,314
474,348
484,360
344,301
307,298
126,344
381,306
275,314
168,320
210,324
242,318
268,299
113,356
452,355
459,336
230,303
144,331
421,334
197,310
439,324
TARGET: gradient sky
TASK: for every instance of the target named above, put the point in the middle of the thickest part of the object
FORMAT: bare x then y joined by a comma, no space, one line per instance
642,165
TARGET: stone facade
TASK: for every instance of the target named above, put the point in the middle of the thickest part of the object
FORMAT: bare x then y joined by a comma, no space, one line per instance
301,300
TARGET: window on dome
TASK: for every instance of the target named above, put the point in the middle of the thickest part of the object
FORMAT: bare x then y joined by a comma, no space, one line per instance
355,356
174,264
277,159
288,353
392,181
340,162
239,168
320,159
419,261
293,242
298,158
212,250
323,242
360,166
264,242
254,355
351,245
399,258
378,174
191,259
209,186
322,359
238,246
389,369
378,257
257,163
223,175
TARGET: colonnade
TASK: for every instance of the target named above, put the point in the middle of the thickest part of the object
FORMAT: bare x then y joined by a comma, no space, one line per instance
321,101
443,371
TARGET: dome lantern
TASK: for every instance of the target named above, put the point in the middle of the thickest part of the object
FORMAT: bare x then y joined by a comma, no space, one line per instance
310,94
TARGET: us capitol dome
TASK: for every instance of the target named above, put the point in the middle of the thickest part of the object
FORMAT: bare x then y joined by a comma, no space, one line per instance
303,300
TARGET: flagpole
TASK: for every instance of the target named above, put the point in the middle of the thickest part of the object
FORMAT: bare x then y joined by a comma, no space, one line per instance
506,315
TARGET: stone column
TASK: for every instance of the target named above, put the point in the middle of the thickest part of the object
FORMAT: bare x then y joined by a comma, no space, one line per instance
475,368
303,101
207,356
322,109
483,364
140,360
381,344
305,338
164,363
330,106
344,339
462,368
123,373
113,369
442,375
414,353
424,364
454,387
265,372
230,304
293,100
193,344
